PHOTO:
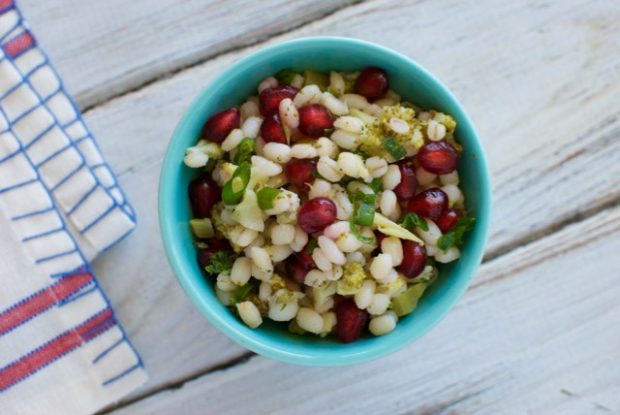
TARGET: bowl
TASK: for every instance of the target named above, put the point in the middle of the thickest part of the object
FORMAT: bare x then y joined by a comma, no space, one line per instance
414,84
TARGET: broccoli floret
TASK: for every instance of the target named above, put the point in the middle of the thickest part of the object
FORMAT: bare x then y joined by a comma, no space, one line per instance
353,276
223,229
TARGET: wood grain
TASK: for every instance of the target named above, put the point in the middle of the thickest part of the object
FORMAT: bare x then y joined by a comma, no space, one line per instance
552,142
540,339
104,48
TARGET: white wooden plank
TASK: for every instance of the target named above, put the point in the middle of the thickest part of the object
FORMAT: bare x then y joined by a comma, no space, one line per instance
103,48
560,176
537,334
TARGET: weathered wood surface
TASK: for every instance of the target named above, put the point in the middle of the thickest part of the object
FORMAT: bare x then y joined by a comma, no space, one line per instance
108,47
535,334
542,88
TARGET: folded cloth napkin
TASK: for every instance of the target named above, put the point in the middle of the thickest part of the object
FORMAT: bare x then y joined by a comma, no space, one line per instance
61,349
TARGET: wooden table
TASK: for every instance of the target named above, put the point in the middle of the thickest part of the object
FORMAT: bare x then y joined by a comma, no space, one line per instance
539,329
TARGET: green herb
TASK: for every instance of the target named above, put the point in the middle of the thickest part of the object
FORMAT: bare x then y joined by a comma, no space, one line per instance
364,214
411,221
245,150
376,185
242,293
285,76
393,147
233,190
266,197
283,306
221,261
312,243
359,196
454,237
356,231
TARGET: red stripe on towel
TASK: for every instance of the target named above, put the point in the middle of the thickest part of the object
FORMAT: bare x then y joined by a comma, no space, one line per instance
55,349
42,300
19,44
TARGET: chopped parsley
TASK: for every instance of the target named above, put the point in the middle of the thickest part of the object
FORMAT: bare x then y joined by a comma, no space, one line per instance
454,237
221,261
411,221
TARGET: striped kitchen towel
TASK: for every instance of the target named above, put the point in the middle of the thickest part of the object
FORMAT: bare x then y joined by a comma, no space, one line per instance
62,351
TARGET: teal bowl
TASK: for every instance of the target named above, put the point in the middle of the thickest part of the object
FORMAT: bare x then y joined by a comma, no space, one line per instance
414,84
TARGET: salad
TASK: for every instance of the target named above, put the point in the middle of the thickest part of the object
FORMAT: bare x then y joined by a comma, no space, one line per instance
326,203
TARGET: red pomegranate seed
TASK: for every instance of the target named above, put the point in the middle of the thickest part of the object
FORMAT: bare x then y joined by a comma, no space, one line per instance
217,127
295,269
372,83
203,194
438,157
350,320
448,220
316,214
269,99
305,258
314,119
430,203
414,259
272,131
300,172
408,183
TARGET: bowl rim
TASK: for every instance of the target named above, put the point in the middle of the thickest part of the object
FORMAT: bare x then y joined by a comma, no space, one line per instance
221,322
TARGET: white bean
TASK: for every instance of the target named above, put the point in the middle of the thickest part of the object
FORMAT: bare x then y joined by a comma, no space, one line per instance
333,104
282,312
450,255
320,188
391,178
224,283
225,297
328,168
277,152
232,140
265,167
355,101
326,147
450,178
300,240
309,320
321,260
344,207
430,236
383,324
282,234
264,291
424,177
363,297
376,166
315,278
392,246
357,186
249,314
195,159
352,165
388,203
327,305
259,274
374,110
288,113
297,81
241,269
345,139
435,131
261,258
329,322
335,230
280,252
246,237
269,82
303,151
331,250
455,196
381,266
349,243
308,94
398,126
336,83
379,304
350,124
251,127
356,257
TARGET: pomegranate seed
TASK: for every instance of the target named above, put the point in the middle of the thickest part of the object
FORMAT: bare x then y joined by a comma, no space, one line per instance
438,157
214,245
316,214
272,131
300,172
408,183
269,99
372,83
295,269
203,194
414,259
448,220
305,258
218,126
430,203
350,320
314,119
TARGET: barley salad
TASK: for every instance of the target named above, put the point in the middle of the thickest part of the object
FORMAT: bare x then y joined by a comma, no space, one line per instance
326,203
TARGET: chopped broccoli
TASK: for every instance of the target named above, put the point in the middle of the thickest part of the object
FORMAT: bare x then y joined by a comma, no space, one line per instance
322,293
352,278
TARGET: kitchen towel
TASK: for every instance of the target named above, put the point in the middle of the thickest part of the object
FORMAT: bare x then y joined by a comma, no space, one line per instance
61,348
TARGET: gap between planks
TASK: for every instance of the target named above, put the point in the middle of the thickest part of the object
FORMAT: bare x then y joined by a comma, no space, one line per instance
264,37
246,357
